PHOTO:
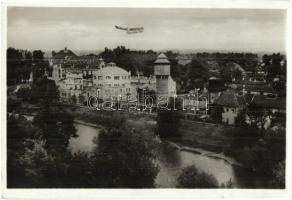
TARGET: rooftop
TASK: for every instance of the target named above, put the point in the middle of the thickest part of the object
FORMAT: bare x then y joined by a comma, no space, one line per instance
64,53
231,99
113,70
162,59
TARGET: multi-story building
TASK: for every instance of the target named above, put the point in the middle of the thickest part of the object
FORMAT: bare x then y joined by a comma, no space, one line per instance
165,86
113,81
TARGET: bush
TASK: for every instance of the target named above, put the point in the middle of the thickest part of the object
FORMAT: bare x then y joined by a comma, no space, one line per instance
190,177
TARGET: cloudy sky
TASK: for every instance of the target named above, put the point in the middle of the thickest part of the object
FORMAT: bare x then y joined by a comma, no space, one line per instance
179,29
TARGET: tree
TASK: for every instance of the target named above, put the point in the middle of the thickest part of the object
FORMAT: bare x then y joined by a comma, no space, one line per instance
40,65
278,174
18,65
19,131
24,93
44,91
36,162
197,76
168,121
57,128
124,157
190,177
13,104
272,65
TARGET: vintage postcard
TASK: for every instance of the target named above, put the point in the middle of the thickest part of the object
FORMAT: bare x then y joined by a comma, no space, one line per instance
146,100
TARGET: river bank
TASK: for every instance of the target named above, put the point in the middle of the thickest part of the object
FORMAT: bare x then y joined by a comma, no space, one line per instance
204,152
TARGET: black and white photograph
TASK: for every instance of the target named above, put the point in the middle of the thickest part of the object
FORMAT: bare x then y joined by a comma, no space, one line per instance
145,98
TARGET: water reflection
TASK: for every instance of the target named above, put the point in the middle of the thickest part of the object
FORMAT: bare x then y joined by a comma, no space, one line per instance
174,160
171,160
84,141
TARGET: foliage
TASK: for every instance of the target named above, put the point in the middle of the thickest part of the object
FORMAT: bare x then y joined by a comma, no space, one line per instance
56,126
13,104
125,157
272,66
138,62
168,121
248,61
24,93
228,184
20,63
190,177
197,75
18,131
44,91
259,150
278,174
35,160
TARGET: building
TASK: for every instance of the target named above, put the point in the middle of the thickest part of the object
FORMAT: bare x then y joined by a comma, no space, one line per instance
165,86
71,87
113,81
143,82
254,87
231,104
57,63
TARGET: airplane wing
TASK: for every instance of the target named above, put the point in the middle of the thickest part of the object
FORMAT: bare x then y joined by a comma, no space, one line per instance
140,29
121,28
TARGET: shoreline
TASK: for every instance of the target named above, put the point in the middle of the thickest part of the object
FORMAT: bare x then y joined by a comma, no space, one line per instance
204,152
82,122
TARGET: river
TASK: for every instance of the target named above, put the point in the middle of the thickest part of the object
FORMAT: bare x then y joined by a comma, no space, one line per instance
172,160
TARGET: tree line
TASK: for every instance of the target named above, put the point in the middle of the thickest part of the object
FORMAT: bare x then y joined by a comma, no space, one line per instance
20,63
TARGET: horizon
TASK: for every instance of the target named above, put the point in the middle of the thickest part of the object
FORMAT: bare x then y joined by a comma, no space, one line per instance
80,52
188,29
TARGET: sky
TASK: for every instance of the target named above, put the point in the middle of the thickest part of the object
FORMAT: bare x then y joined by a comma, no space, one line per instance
49,28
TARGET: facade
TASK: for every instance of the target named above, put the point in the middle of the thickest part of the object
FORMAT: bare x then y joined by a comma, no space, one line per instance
231,104
165,86
113,81
71,87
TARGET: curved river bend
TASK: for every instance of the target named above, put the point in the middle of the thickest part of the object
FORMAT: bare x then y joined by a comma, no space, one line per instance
172,160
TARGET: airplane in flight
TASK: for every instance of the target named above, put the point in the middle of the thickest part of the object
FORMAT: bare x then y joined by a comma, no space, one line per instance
130,30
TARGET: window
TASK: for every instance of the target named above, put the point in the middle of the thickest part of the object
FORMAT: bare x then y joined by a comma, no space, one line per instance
107,77
117,78
116,84
99,77
227,110
94,77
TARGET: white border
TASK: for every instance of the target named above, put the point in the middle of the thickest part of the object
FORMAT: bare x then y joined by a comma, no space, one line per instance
145,193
